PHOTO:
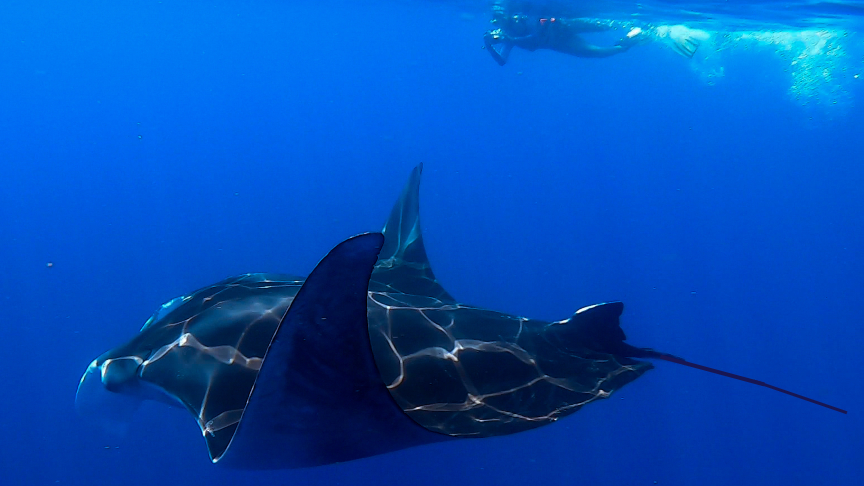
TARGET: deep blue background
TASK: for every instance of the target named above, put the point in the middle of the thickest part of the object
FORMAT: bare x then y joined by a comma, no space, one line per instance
150,148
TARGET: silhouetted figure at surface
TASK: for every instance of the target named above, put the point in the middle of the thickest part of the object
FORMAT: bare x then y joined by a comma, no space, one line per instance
528,26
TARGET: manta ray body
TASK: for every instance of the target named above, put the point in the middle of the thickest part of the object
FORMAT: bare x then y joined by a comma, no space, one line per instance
367,355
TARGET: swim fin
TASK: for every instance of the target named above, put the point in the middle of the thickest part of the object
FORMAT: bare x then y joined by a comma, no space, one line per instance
683,40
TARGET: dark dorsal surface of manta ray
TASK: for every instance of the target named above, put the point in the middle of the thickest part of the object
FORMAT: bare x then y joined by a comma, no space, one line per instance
367,355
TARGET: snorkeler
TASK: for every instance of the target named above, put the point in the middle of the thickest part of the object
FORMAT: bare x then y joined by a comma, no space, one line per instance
519,27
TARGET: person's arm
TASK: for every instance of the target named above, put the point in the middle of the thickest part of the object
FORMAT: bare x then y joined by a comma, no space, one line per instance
499,47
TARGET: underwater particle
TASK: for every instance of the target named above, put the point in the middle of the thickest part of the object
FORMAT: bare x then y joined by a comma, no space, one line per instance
140,137
49,264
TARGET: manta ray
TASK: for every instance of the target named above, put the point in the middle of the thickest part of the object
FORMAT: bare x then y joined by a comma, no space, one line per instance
367,355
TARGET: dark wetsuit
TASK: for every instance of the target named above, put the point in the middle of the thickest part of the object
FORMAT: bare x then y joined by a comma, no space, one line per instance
532,32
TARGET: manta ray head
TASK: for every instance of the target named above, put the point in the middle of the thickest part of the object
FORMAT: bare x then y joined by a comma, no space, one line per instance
111,391
107,393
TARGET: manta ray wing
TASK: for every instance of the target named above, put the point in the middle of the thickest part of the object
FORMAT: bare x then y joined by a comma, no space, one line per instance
464,371
318,398
403,266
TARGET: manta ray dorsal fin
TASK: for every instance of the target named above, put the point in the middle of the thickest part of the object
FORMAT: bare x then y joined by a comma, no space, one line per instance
403,265
597,327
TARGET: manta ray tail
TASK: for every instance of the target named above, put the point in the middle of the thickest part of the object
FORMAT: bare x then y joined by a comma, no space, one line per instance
674,359
597,327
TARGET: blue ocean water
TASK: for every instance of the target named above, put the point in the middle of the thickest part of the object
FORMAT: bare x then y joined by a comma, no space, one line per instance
153,147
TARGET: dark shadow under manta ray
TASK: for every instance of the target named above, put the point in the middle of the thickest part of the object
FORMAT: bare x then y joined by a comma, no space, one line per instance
367,355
